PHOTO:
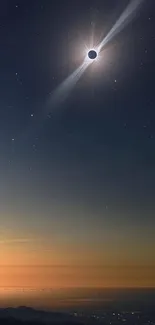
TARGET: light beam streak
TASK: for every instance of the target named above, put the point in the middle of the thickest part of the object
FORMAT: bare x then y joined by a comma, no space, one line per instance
121,23
55,99
61,93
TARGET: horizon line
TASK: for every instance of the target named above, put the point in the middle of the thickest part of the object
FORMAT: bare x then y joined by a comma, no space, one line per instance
81,265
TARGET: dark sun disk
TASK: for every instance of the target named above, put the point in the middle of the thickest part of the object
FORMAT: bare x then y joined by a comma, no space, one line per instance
92,54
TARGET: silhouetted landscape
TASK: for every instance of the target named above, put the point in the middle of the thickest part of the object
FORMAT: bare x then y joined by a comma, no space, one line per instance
128,307
28,316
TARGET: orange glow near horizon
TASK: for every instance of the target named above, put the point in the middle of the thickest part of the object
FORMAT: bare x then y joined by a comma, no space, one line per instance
34,268
26,262
76,276
33,271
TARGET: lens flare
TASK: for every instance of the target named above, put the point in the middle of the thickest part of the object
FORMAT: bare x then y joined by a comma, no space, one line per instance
61,93
125,18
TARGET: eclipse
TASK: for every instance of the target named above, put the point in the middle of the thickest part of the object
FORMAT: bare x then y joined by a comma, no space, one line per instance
92,54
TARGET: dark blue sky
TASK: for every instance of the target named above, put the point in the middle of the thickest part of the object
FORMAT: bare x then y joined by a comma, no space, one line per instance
87,170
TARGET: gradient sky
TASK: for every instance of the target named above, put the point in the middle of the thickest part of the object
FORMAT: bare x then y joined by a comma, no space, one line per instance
77,190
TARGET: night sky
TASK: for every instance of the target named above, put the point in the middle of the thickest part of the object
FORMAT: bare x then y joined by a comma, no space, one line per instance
77,182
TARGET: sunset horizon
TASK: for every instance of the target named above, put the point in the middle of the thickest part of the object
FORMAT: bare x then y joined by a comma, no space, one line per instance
77,162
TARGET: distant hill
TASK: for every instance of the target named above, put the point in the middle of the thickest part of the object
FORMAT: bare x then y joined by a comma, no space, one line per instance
27,314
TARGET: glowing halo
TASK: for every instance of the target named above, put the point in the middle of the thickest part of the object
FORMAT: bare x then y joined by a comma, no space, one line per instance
91,55
61,93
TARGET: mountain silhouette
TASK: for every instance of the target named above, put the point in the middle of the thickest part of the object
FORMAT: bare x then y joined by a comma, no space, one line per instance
28,314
